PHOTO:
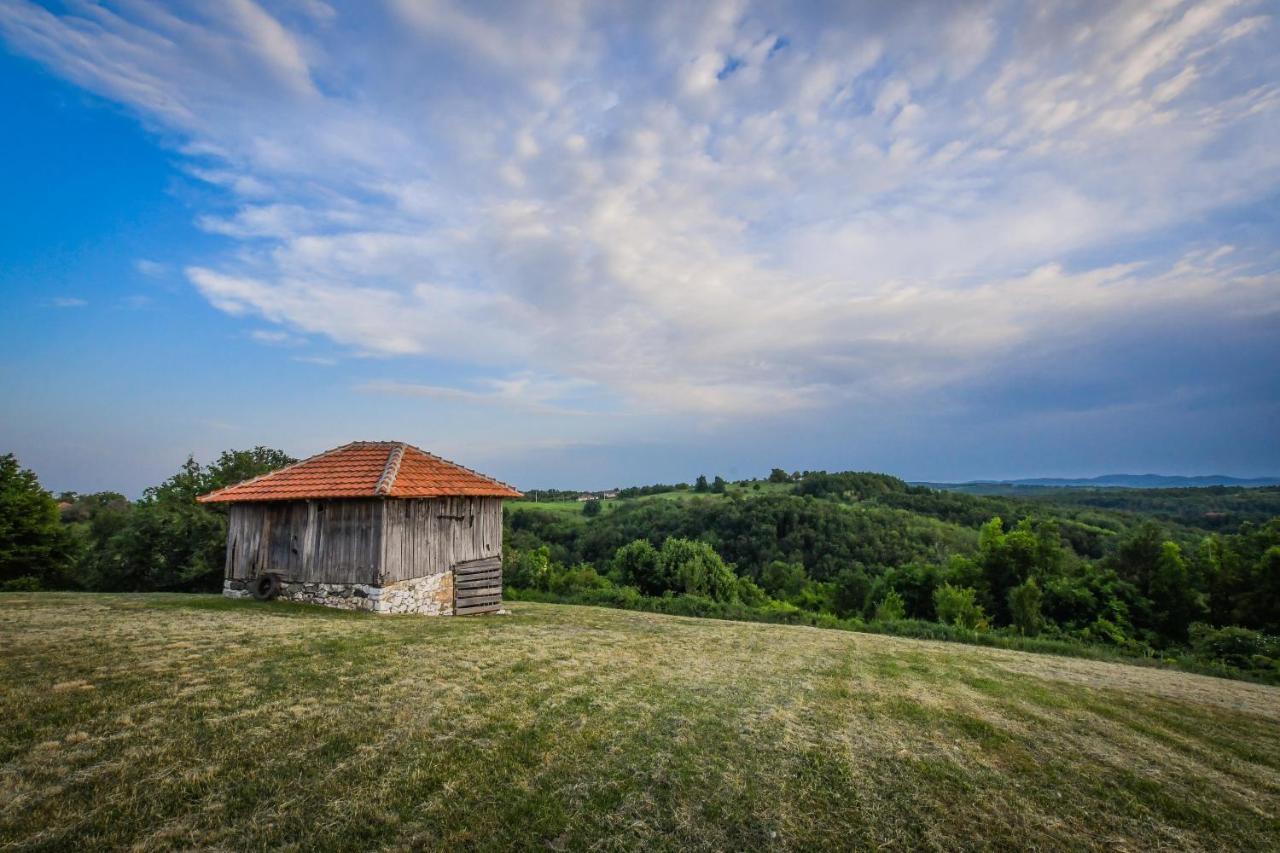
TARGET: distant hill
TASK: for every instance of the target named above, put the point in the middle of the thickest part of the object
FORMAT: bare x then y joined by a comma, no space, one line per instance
1107,481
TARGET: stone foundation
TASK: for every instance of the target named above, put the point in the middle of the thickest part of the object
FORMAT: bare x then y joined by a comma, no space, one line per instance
432,595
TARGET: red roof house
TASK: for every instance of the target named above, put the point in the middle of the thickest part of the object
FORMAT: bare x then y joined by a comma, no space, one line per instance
372,525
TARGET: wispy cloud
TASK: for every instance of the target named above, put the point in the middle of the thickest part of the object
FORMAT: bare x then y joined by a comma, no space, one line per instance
151,269
68,302
713,209
276,337
521,393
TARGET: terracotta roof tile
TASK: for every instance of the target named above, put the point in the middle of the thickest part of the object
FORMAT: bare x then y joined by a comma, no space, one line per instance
365,469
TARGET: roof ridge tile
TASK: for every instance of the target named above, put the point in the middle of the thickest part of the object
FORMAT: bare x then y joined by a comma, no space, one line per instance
388,479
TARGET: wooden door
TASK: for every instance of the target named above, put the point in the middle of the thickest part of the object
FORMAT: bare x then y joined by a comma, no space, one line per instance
477,586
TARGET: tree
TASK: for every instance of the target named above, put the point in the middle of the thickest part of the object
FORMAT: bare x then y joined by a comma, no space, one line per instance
784,580
234,466
1171,597
852,588
527,569
700,485
636,564
591,508
168,541
1024,608
695,568
1009,559
777,475
890,608
956,605
718,485
33,543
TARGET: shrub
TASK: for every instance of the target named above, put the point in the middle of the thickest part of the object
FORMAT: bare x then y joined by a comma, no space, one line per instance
591,508
891,608
1235,646
636,564
529,569
1024,608
957,605
26,583
577,579
696,569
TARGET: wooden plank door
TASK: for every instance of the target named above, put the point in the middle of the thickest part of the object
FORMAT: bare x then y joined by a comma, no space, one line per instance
477,586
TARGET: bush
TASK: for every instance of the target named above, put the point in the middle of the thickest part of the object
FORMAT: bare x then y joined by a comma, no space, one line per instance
26,583
956,605
891,608
1238,647
695,568
1024,608
576,579
591,508
636,564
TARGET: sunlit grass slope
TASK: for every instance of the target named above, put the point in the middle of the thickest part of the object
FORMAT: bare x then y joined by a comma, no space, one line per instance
190,721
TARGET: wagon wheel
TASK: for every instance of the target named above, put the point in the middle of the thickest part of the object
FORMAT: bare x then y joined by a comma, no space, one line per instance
266,587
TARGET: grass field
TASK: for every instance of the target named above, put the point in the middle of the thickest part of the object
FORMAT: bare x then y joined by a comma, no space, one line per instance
193,721
574,507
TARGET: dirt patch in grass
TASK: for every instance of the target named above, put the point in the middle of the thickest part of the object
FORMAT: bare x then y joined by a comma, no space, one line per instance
190,721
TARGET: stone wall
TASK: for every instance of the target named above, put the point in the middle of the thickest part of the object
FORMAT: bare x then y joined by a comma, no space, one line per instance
432,595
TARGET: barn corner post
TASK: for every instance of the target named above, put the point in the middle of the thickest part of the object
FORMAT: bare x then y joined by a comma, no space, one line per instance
378,526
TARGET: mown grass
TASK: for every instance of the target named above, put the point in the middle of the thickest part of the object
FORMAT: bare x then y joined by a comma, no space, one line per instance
191,721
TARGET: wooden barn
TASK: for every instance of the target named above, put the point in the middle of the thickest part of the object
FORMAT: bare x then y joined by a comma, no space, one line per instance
371,525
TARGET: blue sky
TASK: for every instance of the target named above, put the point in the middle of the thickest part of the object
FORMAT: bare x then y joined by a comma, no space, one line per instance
590,244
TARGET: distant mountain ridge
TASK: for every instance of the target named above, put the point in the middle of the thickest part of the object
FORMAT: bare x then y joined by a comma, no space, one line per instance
1118,481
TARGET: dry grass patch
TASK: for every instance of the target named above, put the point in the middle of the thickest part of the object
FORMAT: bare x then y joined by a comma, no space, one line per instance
190,721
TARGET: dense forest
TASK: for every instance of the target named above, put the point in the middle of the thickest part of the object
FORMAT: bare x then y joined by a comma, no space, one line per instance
1185,576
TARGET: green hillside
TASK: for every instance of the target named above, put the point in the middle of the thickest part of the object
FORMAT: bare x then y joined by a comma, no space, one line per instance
192,721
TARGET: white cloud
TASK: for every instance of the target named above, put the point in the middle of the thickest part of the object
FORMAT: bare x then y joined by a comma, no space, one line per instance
707,209
151,269
68,302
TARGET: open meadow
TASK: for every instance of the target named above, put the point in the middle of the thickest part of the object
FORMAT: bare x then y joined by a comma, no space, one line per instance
193,721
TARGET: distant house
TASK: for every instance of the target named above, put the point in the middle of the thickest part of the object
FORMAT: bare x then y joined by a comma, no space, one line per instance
371,525
586,496
596,496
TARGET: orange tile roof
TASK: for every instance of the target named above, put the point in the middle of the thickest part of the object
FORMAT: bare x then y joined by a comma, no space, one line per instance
365,469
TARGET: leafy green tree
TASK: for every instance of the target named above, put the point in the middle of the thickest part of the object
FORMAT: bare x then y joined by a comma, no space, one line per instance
890,608
527,569
636,564
777,475
168,541
33,543
750,594
700,484
958,606
1008,559
591,508
695,568
1024,608
234,466
852,587
784,580
1169,597
718,485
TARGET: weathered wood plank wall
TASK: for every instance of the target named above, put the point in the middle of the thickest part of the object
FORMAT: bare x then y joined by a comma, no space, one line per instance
361,541
312,541
426,537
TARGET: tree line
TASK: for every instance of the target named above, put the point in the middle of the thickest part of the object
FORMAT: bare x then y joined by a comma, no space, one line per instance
103,541
847,547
